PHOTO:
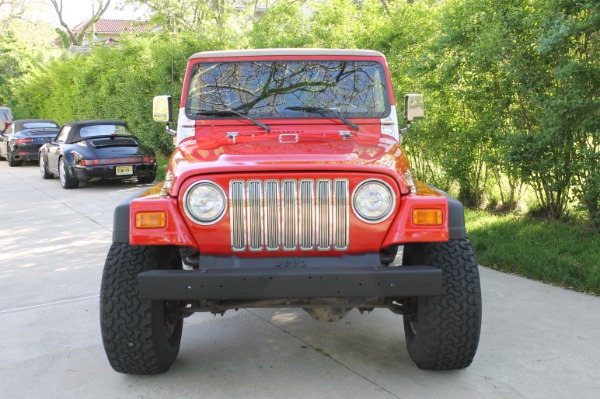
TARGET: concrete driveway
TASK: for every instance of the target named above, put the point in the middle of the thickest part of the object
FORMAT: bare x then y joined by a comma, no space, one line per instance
537,341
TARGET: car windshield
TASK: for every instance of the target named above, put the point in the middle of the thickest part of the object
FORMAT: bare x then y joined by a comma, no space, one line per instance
103,130
277,89
39,125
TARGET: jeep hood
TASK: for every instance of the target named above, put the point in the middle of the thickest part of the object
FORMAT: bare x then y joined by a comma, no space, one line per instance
289,153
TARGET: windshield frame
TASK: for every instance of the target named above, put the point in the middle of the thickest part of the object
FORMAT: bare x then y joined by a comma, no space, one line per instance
100,130
382,99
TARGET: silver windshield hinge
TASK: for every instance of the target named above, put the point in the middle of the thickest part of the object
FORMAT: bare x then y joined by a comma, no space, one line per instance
232,135
172,132
406,129
346,134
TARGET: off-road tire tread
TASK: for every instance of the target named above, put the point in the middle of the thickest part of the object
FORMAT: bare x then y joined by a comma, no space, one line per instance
131,342
449,325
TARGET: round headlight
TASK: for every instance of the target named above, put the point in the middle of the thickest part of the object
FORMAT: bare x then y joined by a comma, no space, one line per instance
205,202
373,201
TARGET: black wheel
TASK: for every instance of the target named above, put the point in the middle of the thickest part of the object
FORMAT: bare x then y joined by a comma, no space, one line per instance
146,179
11,160
139,336
66,180
44,168
442,332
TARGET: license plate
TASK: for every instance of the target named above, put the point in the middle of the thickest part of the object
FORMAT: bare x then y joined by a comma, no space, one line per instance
123,170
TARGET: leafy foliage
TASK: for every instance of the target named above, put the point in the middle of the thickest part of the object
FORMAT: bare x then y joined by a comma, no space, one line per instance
512,86
15,61
111,83
284,25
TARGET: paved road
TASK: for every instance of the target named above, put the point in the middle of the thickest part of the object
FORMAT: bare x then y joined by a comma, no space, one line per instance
537,341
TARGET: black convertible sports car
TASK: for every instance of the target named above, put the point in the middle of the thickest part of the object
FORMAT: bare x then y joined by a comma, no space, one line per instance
23,139
102,149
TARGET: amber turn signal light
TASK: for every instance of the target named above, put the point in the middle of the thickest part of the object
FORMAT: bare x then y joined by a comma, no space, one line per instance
150,220
427,217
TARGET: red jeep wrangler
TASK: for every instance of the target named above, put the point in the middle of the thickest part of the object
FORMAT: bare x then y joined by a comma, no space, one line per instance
289,187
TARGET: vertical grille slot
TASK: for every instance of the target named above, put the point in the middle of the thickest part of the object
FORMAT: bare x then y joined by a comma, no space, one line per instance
255,207
307,215
238,215
289,215
341,228
324,214
272,212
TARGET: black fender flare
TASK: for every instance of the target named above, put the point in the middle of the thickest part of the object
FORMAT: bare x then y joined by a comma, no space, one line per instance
120,231
456,217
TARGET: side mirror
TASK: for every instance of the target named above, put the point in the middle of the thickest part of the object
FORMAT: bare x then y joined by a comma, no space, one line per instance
161,109
414,107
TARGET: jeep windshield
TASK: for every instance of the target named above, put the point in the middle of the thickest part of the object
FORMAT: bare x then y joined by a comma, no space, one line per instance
288,89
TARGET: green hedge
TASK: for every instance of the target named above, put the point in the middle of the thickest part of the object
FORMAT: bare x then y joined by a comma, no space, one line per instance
512,87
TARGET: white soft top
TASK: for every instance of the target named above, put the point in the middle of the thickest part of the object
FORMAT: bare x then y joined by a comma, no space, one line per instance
287,52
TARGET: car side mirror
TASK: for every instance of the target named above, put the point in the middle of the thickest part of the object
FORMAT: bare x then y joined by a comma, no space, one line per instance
161,109
414,107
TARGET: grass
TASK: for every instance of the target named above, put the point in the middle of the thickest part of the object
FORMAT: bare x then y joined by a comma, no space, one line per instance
161,168
555,252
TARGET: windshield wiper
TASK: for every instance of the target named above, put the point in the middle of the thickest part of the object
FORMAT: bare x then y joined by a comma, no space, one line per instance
229,112
325,111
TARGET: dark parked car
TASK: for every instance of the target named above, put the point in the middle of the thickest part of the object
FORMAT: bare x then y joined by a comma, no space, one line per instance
101,149
23,139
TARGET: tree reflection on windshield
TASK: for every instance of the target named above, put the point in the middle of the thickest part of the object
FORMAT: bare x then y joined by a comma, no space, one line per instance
275,89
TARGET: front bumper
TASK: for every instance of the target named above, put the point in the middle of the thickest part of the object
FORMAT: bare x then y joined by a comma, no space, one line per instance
109,171
241,283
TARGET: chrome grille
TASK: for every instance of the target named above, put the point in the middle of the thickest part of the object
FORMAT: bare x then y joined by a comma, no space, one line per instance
307,225
238,215
324,216
342,227
289,214
255,215
272,211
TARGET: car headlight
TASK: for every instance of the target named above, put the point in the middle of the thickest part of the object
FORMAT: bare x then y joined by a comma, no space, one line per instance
205,202
373,201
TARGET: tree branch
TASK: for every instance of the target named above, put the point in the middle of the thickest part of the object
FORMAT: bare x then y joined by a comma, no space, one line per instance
77,39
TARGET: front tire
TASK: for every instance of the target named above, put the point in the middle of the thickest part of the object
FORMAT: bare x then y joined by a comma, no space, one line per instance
66,180
442,332
44,168
140,336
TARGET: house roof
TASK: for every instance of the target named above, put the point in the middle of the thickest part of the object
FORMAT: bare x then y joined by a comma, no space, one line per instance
114,26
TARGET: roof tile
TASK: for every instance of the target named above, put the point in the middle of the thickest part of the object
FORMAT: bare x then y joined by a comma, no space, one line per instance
114,26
